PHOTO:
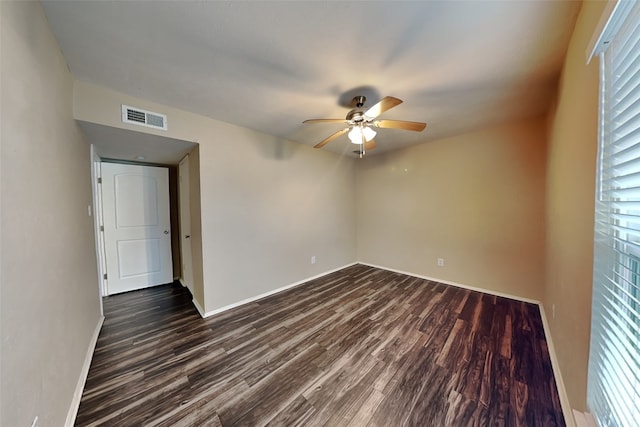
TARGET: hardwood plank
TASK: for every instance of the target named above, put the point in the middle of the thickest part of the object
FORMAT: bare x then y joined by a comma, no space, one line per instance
367,409
297,413
267,398
360,346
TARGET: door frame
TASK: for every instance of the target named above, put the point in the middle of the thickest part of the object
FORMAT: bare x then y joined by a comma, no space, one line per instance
96,177
97,223
184,209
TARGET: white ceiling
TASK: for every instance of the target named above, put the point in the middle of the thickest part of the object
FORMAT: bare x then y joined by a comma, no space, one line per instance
269,65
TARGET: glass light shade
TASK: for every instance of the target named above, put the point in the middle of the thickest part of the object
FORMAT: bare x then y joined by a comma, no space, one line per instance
355,135
356,132
368,133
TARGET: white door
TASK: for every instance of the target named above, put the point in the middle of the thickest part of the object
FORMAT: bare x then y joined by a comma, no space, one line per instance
136,226
185,223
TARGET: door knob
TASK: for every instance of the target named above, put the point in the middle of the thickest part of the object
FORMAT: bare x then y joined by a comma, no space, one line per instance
186,236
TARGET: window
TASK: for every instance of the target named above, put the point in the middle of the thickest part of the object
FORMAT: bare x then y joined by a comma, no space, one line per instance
614,359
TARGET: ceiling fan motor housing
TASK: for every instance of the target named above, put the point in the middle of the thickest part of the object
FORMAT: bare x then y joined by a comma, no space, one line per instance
355,116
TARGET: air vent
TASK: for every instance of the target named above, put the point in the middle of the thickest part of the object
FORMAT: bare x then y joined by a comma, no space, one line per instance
141,117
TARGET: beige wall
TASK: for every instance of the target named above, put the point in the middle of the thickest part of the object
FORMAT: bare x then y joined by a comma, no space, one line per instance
267,205
476,200
570,207
49,291
196,225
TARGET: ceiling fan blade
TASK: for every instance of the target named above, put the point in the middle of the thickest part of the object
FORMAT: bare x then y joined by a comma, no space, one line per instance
386,103
331,138
400,124
370,145
325,121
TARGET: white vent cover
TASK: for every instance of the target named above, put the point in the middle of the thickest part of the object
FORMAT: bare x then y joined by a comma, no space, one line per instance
141,117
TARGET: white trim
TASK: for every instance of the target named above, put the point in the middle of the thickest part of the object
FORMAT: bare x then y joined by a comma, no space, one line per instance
555,365
77,395
198,307
266,294
459,285
584,419
184,222
562,391
96,198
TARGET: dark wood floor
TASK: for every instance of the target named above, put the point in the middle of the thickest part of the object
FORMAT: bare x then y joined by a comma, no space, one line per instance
359,347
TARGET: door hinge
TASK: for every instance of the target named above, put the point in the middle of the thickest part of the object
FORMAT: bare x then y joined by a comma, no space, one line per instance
99,180
105,276
102,228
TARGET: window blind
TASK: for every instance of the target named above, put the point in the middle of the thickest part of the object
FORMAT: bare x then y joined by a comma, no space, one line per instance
614,361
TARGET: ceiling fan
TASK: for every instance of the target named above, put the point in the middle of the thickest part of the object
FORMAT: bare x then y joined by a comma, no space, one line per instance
361,123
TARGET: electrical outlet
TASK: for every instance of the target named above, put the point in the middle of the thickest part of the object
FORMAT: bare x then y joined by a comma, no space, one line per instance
440,262
313,259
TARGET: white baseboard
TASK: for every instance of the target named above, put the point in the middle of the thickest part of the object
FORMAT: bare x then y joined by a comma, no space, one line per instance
266,294
584,419
201,311
459,285
562,391
569,418
77,395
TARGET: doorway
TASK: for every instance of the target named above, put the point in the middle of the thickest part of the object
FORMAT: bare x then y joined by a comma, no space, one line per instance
116,145
137,226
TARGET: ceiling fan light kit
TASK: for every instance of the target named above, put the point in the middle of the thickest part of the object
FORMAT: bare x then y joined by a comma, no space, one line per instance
361,134
360,123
